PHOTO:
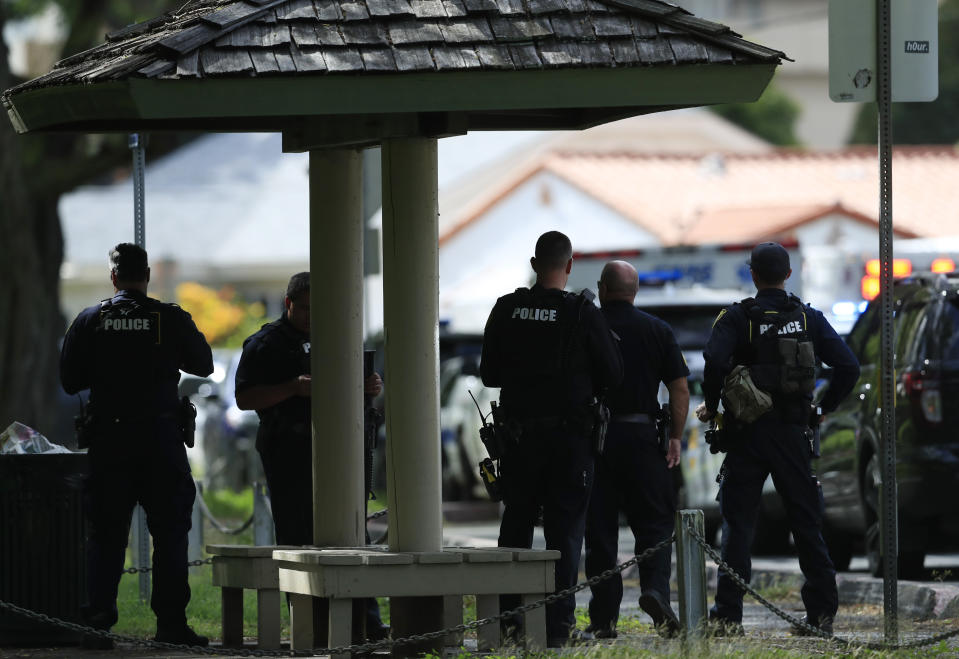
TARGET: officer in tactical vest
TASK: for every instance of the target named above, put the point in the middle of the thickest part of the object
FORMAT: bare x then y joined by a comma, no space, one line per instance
129,350
273,378
760,359
552,353
633,473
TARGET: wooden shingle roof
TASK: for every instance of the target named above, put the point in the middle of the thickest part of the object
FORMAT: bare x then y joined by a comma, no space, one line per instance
217,38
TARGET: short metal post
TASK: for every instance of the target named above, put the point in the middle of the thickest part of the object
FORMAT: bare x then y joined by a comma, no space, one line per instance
141,551
691,573
195,538
262,517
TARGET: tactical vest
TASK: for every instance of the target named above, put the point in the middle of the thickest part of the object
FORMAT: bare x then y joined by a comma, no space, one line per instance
781,355
543,333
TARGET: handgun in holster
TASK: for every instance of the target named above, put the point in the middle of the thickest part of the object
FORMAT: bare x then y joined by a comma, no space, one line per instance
663,420
812,432
83,424
600,414
187,421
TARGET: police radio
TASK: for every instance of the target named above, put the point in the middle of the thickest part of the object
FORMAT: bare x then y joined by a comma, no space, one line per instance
489,470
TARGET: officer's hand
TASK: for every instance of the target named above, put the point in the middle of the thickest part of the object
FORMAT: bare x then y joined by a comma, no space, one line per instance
304,385
672,453
373,385
703,414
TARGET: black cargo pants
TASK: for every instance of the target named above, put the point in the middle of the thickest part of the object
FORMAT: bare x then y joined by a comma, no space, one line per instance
781,450
631,476
551,467
139,462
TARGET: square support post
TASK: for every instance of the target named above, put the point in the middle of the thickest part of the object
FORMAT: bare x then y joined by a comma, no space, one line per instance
691,573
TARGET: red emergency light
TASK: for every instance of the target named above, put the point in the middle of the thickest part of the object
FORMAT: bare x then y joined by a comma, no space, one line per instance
900,267
943,264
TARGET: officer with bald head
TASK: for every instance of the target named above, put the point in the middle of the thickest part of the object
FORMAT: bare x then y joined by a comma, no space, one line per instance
632,475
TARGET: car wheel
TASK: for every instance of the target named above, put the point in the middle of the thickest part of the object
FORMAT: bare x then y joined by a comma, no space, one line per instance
910,564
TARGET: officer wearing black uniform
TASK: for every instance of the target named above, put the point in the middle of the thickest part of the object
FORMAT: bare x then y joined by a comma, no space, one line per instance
771,335
129,351
273,378
632,474
551,352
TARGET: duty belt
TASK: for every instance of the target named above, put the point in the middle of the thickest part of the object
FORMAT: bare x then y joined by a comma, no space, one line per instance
632,418
542,422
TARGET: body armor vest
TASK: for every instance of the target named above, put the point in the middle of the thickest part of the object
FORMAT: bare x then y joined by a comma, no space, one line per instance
782,358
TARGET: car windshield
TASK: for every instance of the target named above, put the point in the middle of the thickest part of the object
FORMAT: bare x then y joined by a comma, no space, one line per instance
691,324
949,328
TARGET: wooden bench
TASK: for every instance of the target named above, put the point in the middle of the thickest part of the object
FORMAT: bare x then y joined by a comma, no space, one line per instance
236,567
342,574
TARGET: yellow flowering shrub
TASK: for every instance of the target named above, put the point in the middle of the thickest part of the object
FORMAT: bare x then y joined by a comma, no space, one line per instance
223,318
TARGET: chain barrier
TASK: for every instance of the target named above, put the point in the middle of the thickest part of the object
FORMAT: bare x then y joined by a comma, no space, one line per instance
196,563
217,524
377,514
801,624
360,648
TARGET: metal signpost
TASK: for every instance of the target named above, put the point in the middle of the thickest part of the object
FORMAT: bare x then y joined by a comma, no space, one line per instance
141,534
884,51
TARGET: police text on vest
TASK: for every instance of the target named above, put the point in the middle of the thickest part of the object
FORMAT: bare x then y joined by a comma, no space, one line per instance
789,328
525,313
126,324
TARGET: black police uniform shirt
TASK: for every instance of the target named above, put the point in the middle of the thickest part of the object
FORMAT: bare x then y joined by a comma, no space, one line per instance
550,351
129,352
650,356
277,353
728,342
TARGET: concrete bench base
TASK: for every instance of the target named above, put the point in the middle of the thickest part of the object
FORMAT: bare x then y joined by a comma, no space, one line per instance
342,574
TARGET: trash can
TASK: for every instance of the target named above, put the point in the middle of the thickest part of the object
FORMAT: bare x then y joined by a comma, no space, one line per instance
43,557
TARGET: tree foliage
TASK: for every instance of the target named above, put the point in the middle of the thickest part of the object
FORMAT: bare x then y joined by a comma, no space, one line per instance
772,117
924,123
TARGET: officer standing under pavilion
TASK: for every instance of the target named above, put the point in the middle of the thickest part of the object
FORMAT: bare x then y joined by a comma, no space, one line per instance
129,351
633,474
274,378
551,352
780,340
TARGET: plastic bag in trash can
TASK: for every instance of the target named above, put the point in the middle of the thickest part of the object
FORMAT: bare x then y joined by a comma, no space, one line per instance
20,439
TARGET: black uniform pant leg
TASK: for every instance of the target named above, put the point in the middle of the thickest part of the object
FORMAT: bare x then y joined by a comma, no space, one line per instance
739,497
288,467
650,505
602,540
802,498
167,495
109,500
521,472
569,479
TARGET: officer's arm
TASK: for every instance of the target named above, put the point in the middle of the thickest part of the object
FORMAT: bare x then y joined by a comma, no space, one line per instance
678,406
603,348
252,393
833,351
197,357
718,354
491,360
75,356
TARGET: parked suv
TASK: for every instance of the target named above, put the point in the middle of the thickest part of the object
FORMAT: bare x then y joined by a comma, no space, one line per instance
926,320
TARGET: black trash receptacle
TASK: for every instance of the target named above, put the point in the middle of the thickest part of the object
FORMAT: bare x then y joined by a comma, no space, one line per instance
43,556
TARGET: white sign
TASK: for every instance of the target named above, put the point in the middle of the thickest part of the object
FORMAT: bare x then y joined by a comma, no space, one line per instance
852,50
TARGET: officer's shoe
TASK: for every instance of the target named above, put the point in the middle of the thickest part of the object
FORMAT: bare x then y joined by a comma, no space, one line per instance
722,627
180,636
377,631
602,631
101,622
823,623
665,621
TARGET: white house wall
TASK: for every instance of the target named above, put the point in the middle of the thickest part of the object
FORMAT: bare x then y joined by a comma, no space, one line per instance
490,257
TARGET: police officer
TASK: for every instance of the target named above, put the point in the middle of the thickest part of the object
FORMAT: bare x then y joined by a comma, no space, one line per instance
129,351
551,352
632,474
780,340
273,378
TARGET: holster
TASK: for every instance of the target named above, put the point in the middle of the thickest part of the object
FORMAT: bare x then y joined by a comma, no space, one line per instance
663,420
187,421
84,425
600,415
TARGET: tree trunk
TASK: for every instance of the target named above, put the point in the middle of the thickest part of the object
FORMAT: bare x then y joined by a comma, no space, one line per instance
31,250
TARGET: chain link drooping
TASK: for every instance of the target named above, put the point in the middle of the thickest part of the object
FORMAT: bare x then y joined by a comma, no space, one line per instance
360,648
801,624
